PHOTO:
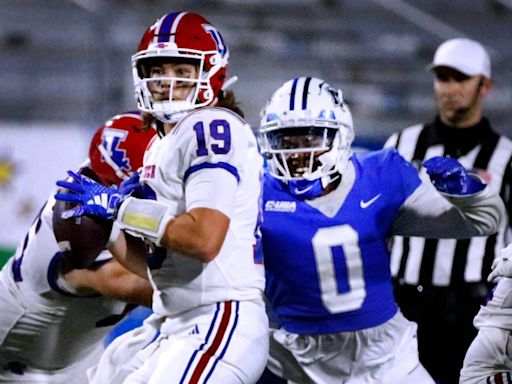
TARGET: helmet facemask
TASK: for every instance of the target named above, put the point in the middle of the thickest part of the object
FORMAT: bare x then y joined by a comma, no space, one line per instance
306,133
167,109
308,153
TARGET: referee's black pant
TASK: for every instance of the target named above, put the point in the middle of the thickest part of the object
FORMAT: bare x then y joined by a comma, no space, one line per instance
445,324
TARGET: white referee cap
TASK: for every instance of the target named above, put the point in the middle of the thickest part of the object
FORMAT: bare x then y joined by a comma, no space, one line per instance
464,55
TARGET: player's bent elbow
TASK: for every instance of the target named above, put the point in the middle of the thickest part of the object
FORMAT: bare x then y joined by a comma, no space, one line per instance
203,249
207,252
211,244
490,224
491,228
483,211
200,234
130,288
140,293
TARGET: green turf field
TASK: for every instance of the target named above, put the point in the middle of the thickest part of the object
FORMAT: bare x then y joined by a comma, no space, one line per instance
5,253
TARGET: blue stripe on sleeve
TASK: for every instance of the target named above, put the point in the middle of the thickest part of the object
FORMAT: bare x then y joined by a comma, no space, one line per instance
228,167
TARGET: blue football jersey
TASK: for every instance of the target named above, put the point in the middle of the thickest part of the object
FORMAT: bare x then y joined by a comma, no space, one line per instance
331,274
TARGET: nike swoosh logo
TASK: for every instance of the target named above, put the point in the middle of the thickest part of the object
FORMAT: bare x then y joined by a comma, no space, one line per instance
302,191
366,204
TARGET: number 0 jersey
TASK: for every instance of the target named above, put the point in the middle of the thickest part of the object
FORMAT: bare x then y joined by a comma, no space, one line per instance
209,154
327,259
328,266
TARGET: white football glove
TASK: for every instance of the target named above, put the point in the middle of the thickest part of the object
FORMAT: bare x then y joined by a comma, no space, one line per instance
502,265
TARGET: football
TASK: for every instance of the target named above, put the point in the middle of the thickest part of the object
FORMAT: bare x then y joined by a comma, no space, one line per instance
81,239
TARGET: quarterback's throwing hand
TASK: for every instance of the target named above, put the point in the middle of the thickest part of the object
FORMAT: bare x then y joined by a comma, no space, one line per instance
92,198
449,176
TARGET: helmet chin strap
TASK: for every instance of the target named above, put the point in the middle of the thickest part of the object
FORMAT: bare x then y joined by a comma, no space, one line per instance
181,107
175,117
159,127
304,189
229,82
328,179
312,186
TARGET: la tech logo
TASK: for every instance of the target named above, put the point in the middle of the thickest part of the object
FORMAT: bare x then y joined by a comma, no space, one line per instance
149,172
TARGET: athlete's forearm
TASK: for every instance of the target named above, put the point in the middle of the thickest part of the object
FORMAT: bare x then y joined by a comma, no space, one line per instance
198,233
131,253
428,214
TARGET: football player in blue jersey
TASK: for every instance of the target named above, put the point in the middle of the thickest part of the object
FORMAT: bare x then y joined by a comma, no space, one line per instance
327,215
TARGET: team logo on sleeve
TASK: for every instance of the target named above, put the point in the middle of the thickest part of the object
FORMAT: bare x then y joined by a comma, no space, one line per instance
148,172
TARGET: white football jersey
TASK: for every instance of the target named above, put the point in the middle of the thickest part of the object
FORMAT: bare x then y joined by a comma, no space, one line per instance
213,143
43,324
497,312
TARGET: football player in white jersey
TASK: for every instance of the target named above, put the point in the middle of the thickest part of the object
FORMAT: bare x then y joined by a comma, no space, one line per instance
204,169
489,357
53,316
327,215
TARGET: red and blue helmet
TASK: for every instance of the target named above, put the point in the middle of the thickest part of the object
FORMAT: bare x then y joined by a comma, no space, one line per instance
180,36
117,148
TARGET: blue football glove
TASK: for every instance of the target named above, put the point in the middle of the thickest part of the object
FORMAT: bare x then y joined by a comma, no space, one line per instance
131,185
449,176
93,199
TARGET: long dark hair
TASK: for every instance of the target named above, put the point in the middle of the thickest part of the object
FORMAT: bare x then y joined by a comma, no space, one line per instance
228,100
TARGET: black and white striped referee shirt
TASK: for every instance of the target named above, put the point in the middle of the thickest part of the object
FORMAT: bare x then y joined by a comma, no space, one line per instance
431,262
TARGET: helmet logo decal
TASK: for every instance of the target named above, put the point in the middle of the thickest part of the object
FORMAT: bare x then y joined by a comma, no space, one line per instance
217,37
335,95
111,139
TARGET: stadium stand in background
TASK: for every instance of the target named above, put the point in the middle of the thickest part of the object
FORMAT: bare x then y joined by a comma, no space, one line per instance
69,60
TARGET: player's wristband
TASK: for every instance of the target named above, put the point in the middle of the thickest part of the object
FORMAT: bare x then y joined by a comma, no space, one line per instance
144,218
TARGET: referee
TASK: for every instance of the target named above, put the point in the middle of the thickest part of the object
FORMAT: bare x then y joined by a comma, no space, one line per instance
440,284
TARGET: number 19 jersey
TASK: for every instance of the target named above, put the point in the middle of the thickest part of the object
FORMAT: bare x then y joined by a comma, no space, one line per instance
216,146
